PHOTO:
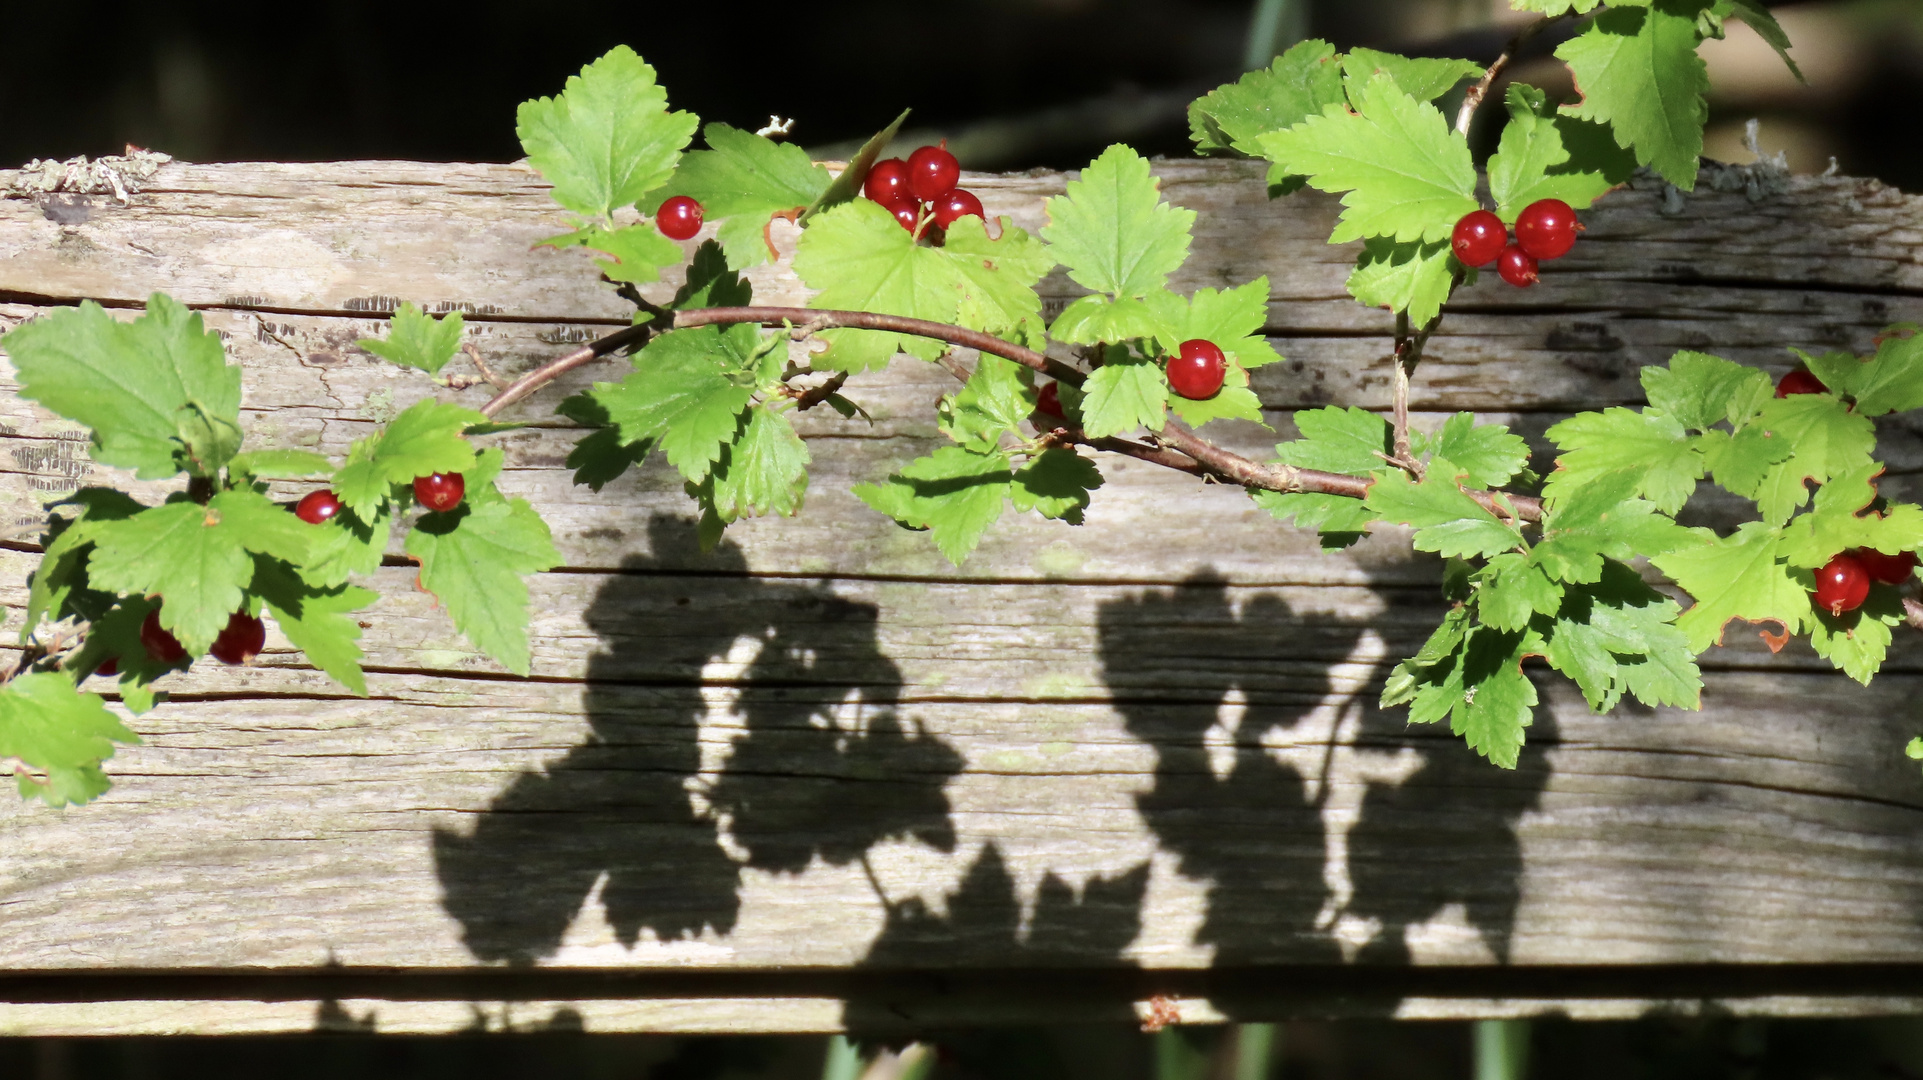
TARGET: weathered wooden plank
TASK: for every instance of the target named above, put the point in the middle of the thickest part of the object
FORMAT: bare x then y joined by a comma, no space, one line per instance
1132,754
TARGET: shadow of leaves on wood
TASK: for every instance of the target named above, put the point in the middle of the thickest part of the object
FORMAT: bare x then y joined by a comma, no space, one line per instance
806,758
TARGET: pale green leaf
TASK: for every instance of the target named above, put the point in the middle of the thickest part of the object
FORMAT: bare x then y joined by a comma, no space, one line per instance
608,139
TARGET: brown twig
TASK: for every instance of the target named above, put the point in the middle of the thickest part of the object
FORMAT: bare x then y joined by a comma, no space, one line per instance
480,365
815,321
808,399
1472,100
560,365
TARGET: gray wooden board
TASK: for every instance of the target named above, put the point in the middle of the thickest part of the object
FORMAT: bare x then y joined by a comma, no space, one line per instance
784,784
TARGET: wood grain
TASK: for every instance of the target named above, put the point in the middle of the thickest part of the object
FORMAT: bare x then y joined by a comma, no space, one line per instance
820,778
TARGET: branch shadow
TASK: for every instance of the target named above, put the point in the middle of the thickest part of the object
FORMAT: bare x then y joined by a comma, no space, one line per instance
807,757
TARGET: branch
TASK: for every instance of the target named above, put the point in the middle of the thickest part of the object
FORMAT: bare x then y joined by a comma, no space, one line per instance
810,320
560,365
1472,100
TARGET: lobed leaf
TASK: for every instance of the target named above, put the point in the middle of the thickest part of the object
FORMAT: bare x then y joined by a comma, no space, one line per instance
418,340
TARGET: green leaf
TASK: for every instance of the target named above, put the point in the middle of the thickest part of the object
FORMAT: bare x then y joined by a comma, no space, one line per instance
472,559
62,733
416,339
426,438
743,180
995,278
317,621
1511,592
1735,577
1556,7
1340,520
1836,522
1497,700
1760,20
346,545
1651,446
1410,277
1890,381
765,470
1112,229
1617,634
1000,394
1447,521
608,139
1338,440
680,397
1637,71
60,588
1235,401
952,493
1701,391
1431,666
847,186
1096,319
128,382
1055,484
638,251
711,282
1298,84
1403,172
1739,463
1487,454
1857,641
279,463
1125,393
1422,78
1601,519
1829,440
1531,162
600,457
1230,318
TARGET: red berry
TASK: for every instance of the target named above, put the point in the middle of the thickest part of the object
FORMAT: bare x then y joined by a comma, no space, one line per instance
1198,372
440,491
932,173
161,645
316,507
1800,381
109,666
241,641
1049,401
1516,267
956,205
907,211
1478,238
1546,229
1888,569
887,181
679,218
1842,584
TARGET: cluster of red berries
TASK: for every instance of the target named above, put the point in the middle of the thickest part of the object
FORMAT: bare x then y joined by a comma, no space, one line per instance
921,191
1546,229
679,218
245,635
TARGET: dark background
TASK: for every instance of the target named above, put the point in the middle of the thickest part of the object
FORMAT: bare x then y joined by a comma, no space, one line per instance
1017,83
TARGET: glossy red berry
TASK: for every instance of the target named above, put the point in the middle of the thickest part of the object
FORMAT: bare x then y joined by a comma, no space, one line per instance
1478,238
1546,229
887,181
1888,569
109,666
316,507
1800,381
1197,372
440,491
932,173
679,218
956,205
1516,267
1048,401
161,645
241,641
1842,584
906,210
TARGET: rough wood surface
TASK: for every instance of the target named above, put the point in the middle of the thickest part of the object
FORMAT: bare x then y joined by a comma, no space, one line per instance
822,778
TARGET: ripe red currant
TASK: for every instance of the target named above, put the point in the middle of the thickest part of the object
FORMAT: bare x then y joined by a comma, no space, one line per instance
1049,401
1546,229
1842,584
440,491
906,210
1888,569
887,181
956,205
1198,371
1516,267
109,666
161,645
932,173
316,507
679,218
1478,238
1800,381
241,641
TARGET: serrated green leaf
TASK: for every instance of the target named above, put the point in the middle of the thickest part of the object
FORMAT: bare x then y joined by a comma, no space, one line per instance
952,493
1446,520
1701,391
1617,634
743,180
1638,72
346,545
1532,163
995,278
60,587
424,439
608,139
1837,522
1340,440
1340,520
1092,320
128,382
1112,229
711,282
1764,23
1828,440
62,733
1411,277
418,340
1125,393
1230,318
316,620
765,470
1511,591
1487,454
1890,381
599,457
637,252
1497,701
1300,83
472,560
1430,667
1742,576
1055,484
1423,78
679,398
279,463
1651,446
999,395
1234,401
1857,641
1402,172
